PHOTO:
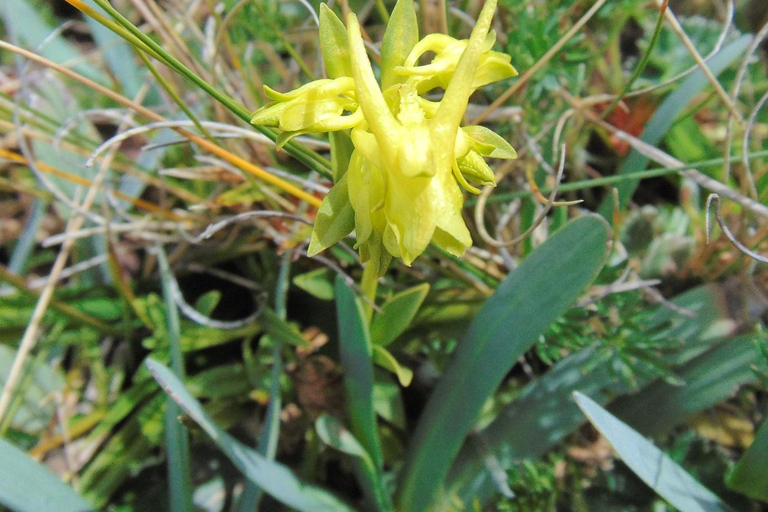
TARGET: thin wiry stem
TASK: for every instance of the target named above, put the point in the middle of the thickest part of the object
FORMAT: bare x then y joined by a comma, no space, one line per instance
218,226
738,81
745,146
201,319
714,200
480,209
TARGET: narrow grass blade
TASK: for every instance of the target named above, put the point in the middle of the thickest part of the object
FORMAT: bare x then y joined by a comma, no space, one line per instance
529,299
650,464
176,439
27,486
356,359
273,477
356,354
750,476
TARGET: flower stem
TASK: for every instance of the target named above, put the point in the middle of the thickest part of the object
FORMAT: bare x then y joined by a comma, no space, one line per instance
368,285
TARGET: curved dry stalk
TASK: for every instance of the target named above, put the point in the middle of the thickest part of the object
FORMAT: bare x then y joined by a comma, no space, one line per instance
113,114
480,210
190,312
739,80
218,226
714,199
745,146
127,134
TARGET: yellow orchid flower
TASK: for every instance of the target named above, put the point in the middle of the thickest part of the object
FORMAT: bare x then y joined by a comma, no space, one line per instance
401,188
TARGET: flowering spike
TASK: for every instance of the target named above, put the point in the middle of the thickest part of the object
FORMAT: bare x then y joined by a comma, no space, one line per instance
402,186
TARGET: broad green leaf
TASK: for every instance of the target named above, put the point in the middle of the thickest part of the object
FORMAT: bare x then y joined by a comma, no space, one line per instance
401,36
335,218
355,352
397,314
272,477
666,114
530,298
386,360
318,283
28,486
650,464
750,476
34,411
333,44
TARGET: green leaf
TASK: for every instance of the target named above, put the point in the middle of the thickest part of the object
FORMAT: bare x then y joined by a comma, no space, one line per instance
401,36
387,400
490,144
335,219
341,153
530,298
386,360
539,418
750,476
176,437
356,359
397,314
273,477
334,434
318,283
280,330
27,486
334,44
650,464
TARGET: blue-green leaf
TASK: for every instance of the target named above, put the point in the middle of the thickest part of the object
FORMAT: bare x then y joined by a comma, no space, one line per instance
650,464
27,486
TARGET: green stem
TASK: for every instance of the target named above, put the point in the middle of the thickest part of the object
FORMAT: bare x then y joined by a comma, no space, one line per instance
368,284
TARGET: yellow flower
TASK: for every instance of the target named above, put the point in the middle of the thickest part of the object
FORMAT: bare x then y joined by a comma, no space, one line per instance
401,188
